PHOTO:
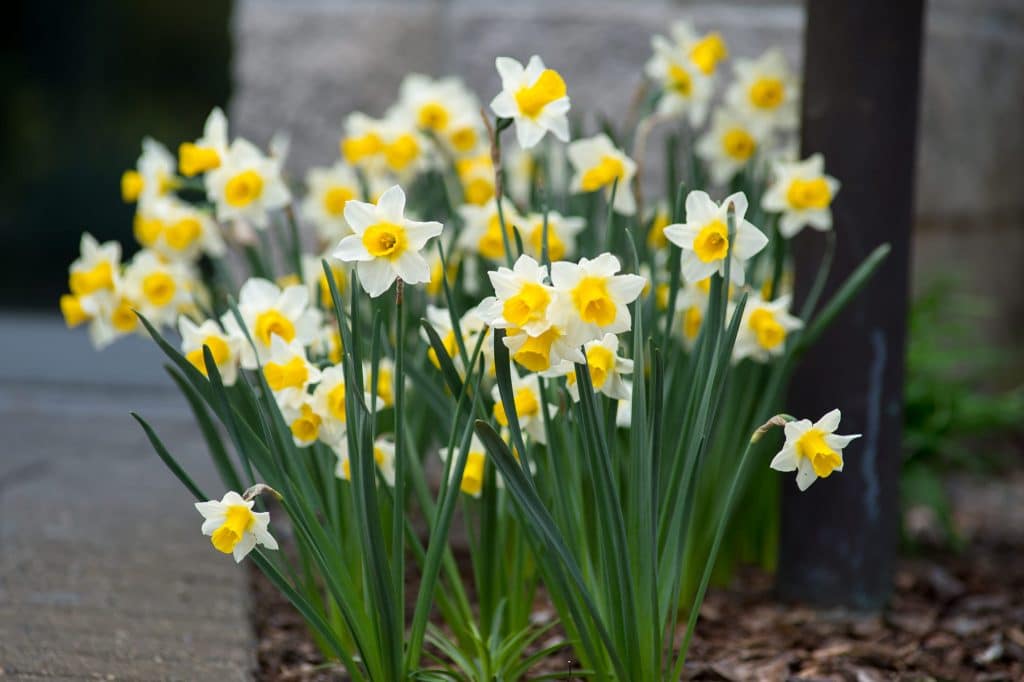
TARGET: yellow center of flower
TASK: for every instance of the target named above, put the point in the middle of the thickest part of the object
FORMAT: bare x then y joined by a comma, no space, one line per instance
660,295
707,52
243,189
526,404
812,445
450,348
292,374
770,334
271,322
656,238
131,186
402,152
238,520
529,305
336,402
385,240
218,349
123,318
340,281
809,194
193,159
767,92
306,427
473,474
535,353
182,234
356,149
712,242
478,191
593,301
464,139
556,247
738,144
385,386
491,244
607,171
433,116
335,198
85,282
146,230
679,80
692,319
334,347
601,362
71,309
158,288
548,87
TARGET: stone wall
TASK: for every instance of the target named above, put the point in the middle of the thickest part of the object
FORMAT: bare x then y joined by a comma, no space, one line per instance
302,65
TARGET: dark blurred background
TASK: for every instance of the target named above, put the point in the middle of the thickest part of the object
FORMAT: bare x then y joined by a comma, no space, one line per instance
83,82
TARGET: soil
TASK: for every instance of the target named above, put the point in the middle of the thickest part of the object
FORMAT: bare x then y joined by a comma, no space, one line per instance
952,616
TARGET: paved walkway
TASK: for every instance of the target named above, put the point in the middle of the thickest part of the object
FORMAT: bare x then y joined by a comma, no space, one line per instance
103,571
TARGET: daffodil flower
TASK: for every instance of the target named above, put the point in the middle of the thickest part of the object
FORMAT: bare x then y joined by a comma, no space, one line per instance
730,144
691,308
176,230
304,422
528,401
472,482
476,173
481,231
234,528
522,297
385,245
803,194
593,292
547,353
327,192
562,231
686,87
444,107
606,368
767,90
206,153
600,165
704,51
269,311
534,97
705,239
246,185
223,347
383,457
289,373
159,289
812,450
153,175
764,327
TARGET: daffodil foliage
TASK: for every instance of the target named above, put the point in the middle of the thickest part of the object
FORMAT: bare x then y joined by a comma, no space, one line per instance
507,330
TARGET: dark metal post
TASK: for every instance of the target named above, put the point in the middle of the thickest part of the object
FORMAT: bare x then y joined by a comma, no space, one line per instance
860,109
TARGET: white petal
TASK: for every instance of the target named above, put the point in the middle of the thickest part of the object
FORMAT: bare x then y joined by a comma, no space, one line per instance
785,460
360,215
830,422
418,233
412,268
351,248
376,276
805,475
244,546
391,205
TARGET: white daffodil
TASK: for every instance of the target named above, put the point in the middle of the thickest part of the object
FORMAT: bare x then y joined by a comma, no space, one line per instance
223,347
289,373
383,456
327,192
599,164
704,51
269,311
522,298
548,352
686,89
803,194
94,275
445,108
160,289
766,89
404,149
234,528
606,368
476,174
481,231
659,220
153,175
593,292
385,383
246,185
471,325
812,450
730,143
764,328
316,280
704,237
562,231
472,482
385,244
304,422
328,402
206,153
528,401
177,230
691,307
534,97
362,145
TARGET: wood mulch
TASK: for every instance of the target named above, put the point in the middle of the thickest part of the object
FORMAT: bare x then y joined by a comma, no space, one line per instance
952,616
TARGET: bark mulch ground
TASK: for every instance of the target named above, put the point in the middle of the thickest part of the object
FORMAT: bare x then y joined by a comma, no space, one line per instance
952,616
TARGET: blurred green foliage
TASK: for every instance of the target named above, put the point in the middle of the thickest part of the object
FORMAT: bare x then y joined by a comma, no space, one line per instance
83,82
959,414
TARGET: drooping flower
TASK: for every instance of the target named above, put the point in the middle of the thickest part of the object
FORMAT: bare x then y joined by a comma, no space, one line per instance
767,90
730,143
534,97
246,185
223,347
385,245
812,450
764,328
600,165
803,194
269,311
481,231
304,423
206,153
289,373
593,292
704,237
153,175
327,192
606,368
234,528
